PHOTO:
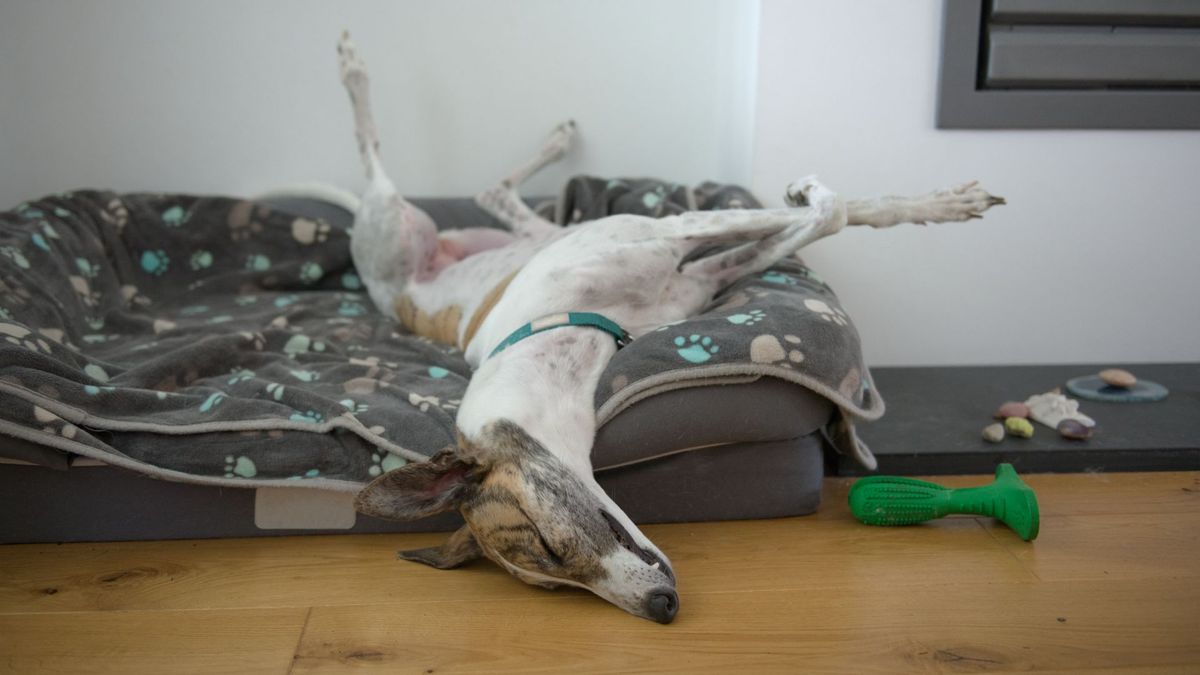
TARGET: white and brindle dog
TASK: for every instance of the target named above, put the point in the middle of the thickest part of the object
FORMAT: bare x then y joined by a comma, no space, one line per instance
521,472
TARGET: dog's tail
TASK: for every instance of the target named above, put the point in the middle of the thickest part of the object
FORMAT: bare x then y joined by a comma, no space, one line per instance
323,192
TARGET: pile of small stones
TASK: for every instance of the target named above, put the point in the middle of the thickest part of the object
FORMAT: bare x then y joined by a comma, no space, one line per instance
1016,422
1014,416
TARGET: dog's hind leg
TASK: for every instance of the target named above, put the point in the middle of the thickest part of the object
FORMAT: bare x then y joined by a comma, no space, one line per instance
505,203
392,241
821,213
956,204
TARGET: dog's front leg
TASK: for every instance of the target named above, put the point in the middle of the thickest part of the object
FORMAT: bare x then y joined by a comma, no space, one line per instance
951,205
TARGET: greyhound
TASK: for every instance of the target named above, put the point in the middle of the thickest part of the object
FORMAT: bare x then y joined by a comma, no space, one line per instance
539,311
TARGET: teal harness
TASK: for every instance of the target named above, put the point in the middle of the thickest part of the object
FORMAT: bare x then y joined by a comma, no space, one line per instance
562,320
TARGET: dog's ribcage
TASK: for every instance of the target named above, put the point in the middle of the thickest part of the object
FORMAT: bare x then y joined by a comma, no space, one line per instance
624,267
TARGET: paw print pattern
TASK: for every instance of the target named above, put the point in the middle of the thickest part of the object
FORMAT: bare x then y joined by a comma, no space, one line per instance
748,318
307,231
383,461
84,289
258,263
13,254
243,220
155,262
767,349
305,375
23,337
211,402
201,260
308,417
695,348
301,343
115,214
241,467
275,390
352,309
354,407
351,281
831,314
778,278
256,340
423,402
87,268
49,421
239,375
174,216
311,272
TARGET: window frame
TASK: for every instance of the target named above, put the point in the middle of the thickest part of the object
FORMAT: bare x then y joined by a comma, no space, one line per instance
964,104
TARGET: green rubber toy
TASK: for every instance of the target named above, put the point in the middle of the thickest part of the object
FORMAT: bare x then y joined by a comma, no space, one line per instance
894,500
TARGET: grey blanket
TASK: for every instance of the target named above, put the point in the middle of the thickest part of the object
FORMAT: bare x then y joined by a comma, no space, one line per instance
218,341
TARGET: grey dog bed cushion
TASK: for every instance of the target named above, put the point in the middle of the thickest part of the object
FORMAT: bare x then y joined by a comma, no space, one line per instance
130,321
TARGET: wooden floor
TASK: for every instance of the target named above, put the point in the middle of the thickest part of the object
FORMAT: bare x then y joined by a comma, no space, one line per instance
1113,583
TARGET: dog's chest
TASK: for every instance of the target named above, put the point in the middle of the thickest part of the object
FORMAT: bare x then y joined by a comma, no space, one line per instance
451,308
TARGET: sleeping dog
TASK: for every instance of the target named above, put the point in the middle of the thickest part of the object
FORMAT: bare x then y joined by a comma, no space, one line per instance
539,310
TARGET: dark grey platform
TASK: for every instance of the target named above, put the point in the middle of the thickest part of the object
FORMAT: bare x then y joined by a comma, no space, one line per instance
935,416
102,503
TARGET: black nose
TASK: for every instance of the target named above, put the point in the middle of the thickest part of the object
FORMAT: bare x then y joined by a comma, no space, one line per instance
662,605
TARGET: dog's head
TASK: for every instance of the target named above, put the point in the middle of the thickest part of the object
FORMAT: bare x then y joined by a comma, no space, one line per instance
528,512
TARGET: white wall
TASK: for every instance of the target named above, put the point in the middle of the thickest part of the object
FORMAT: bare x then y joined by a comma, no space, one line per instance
236,97
1093,260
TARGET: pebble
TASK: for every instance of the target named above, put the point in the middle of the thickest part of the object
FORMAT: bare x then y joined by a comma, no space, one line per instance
1012,409
1115,377
993,433
1019,426
1074,429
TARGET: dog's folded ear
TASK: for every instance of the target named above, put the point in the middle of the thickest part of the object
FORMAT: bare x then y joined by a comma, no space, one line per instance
459,549
420,489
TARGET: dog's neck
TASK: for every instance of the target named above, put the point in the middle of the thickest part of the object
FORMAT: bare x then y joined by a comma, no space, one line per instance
545,383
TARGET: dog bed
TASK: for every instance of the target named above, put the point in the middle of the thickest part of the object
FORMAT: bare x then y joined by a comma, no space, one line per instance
228,343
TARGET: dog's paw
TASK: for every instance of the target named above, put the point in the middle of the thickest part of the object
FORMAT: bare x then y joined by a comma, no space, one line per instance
956,204
801,191
560,139
350,63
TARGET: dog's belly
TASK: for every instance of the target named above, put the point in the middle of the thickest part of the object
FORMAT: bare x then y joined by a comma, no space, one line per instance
450,308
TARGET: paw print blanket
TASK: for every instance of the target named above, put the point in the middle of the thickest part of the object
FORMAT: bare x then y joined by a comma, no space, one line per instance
219,341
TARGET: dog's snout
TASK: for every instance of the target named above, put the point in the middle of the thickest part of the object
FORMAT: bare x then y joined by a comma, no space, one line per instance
662,604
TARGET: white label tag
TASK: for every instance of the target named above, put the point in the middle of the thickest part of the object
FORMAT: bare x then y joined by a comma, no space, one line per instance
303,509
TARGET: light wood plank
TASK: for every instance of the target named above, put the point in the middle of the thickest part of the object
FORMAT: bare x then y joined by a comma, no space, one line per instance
865,629
811,594
302,571
229,641
1134,546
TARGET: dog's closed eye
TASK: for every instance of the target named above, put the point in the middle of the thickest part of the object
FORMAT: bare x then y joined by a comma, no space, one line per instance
552,555
555,558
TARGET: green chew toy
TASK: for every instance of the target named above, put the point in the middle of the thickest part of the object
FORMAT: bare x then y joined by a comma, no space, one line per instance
893,500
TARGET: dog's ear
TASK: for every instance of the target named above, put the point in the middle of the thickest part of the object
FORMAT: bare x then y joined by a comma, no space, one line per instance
459,549
420,489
